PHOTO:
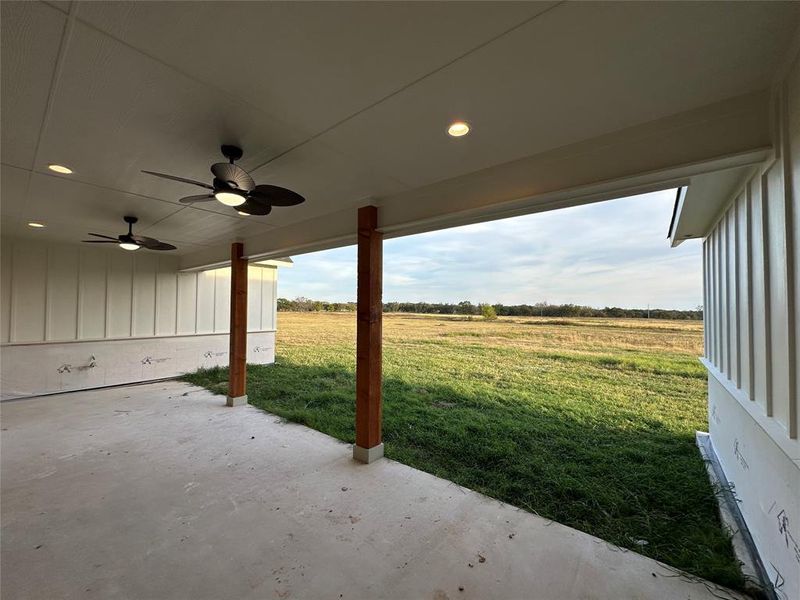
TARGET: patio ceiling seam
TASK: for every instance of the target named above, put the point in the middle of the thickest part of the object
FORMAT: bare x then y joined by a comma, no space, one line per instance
414,82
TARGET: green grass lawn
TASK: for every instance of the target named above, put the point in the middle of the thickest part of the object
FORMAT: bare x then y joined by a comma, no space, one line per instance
588,422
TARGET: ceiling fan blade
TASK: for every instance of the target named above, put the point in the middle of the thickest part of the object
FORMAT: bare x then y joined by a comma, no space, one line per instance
235,176
276,196
108,237
100,241
255,207
152,243
181,179
193,199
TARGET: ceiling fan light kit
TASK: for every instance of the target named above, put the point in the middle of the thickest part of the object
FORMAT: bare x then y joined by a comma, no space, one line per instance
230,198
128,241
129,245
234,187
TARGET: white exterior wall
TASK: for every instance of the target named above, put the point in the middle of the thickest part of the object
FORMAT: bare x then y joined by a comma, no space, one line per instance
752,284
133,312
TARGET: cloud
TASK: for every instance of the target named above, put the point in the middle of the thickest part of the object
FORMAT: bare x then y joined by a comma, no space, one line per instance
606,254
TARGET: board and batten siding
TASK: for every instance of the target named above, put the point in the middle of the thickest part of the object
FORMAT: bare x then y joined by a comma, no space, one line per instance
77,317
62,292
751,282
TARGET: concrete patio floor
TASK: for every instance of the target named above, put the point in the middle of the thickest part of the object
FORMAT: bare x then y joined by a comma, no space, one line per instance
160,491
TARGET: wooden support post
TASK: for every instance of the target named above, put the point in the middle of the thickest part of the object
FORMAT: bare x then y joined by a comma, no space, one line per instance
237,377
369,444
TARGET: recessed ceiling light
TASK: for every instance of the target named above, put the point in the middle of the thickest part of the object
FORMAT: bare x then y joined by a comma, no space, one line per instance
458,129
60,169
36,225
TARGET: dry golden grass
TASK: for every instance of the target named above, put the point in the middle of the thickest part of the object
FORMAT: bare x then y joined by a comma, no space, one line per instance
585,335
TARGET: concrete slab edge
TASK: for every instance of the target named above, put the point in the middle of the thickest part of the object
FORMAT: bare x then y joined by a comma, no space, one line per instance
756,578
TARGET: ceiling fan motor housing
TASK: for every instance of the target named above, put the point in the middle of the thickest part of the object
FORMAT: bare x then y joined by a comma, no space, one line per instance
232,153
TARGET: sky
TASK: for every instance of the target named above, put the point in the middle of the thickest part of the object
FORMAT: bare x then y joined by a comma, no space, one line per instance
613,253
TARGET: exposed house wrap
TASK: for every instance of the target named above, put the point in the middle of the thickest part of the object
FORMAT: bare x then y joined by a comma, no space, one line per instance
76,317
751,258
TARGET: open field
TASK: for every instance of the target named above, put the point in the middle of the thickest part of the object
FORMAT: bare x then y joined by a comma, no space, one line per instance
589,422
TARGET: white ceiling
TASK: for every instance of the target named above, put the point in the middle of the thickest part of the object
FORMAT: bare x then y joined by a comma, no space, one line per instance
344,102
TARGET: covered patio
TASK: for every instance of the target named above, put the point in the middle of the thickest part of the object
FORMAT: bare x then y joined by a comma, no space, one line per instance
355,122
155,491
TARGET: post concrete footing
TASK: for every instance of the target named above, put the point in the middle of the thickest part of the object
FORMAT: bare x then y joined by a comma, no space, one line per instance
237,401
368,455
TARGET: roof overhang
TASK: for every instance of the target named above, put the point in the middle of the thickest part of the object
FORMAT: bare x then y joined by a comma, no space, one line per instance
284,262
700,202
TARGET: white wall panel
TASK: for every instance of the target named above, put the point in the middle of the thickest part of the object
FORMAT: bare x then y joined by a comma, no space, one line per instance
70,292
92,297
166,296
187,303
222,302
120,294
29,292
730,280
62,293
722,305
758,281
792,164
766,482
269,296
206,284
40,368
145,267
777,294
744,314
753,366
5,292
254,299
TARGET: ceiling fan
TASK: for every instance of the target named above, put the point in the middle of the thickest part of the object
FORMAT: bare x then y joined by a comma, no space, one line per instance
233,186
128,241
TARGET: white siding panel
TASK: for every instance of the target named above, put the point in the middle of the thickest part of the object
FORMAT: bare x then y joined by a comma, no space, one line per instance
29,292
269,295
65,292
753,396
92,303
187,303
254,298
715,296
722,301
777,294
166,295
62,292
730,278
206,281
760,332
5,291
792,111
120,286
706,302
222,302
744,315
144,294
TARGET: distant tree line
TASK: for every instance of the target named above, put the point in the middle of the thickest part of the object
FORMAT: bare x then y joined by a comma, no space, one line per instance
540,309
